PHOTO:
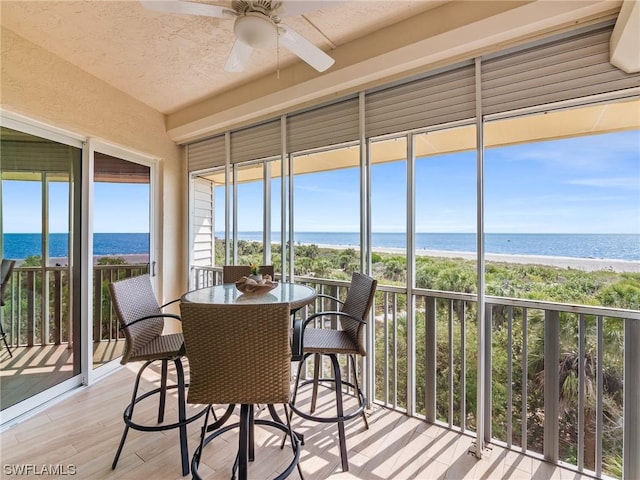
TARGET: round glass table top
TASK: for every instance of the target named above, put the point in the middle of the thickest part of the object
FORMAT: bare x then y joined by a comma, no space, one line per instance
292,293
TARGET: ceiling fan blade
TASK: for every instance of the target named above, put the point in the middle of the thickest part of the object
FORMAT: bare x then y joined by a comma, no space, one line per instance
303,48
293,9
188,8
238,57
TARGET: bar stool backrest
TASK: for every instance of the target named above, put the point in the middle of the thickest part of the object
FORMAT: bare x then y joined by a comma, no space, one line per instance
233,273
238,354
358,303
133,298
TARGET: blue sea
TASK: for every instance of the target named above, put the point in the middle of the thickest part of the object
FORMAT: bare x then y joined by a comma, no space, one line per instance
609,246
22,245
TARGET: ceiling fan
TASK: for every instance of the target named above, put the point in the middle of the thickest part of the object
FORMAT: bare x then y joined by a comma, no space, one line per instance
256,26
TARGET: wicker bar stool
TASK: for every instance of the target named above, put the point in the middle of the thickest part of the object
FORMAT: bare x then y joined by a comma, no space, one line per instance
142,321
239,354
348,340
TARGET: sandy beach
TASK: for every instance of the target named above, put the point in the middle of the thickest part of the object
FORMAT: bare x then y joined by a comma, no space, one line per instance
584,264
130,259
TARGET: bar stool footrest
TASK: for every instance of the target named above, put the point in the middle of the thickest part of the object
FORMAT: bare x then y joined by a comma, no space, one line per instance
269,423
362,402
156,428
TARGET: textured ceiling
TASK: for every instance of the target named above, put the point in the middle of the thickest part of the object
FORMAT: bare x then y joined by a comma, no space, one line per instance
170,61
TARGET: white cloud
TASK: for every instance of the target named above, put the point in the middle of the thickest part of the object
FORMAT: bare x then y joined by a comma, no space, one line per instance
612,182
593,153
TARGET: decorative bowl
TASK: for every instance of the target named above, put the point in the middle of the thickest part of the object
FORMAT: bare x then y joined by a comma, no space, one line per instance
249,286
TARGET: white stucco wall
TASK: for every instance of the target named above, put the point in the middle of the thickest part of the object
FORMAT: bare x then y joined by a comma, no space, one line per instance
39,85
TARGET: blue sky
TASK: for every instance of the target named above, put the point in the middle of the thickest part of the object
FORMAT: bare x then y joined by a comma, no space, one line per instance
588,184
579,185
119,208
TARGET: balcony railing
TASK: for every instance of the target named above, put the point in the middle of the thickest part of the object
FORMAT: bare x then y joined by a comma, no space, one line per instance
583,412
38,312
561,380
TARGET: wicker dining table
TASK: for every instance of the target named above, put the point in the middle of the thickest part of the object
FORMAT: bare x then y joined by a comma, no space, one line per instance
295,295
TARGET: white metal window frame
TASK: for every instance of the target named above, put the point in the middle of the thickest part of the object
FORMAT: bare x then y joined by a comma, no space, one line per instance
155,198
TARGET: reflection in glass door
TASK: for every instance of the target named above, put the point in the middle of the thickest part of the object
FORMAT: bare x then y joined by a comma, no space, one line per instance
40,198
121,242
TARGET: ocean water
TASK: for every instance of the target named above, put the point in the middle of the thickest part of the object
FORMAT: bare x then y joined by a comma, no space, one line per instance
22,245
609,246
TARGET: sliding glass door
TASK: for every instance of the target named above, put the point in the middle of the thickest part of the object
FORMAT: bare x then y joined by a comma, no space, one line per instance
40,229
121,242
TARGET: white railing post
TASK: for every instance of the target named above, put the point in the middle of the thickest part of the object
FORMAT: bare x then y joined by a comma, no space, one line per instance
430,360
463,373
488,375
631,432
551,384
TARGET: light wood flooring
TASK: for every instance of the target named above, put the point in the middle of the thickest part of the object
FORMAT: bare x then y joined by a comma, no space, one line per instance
84,429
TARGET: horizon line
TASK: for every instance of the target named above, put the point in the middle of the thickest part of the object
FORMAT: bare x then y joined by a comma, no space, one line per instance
357,233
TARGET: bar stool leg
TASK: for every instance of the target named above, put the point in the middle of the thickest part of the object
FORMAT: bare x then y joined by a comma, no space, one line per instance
122,440
252,454
243,453
163,391
300,365
287,415
130,409
317,360
340,413
203,434
4,339
182,416
355,375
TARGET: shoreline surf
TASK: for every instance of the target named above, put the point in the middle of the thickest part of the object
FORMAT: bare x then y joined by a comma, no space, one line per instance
584,264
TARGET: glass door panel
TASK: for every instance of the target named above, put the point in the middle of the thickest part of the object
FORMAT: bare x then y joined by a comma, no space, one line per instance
40,318
121,242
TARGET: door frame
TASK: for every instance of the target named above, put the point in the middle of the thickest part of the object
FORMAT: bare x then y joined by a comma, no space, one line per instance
94,145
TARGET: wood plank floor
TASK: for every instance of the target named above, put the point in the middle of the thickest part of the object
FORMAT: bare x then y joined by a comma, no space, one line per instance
83,430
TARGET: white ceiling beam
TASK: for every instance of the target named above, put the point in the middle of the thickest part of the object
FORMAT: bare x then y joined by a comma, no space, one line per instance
624,46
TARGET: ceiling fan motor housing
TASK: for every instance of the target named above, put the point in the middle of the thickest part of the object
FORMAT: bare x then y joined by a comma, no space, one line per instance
256,30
